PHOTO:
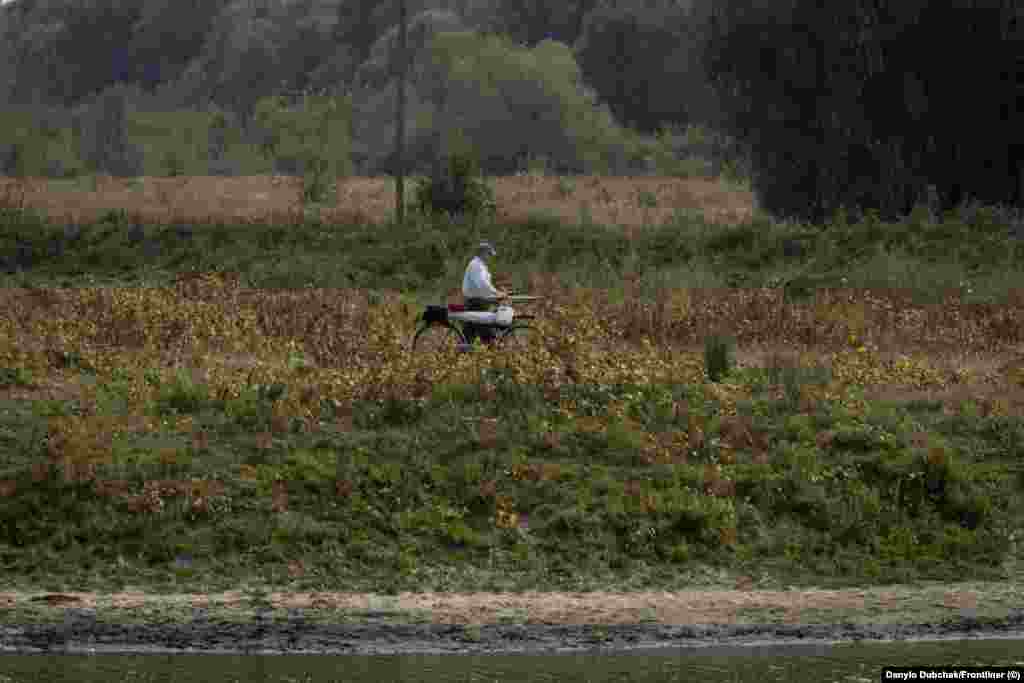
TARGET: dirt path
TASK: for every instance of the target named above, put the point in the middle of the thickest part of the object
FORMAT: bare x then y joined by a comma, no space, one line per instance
335,623
608,200
890,604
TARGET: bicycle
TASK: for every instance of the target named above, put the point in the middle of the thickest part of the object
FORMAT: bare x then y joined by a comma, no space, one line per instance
452,326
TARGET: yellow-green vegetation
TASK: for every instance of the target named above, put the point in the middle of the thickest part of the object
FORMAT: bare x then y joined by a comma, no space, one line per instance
312,133
244,396
176,143
40,145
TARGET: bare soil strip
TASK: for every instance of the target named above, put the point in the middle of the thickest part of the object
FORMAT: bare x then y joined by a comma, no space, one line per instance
608,200
336,623
887,604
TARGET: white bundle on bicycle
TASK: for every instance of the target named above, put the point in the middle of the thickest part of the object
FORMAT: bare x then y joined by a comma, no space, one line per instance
503,316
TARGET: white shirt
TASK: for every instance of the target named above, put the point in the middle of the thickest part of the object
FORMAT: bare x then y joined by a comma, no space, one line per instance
476,283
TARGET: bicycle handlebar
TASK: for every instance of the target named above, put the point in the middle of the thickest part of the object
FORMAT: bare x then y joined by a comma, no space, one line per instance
513,297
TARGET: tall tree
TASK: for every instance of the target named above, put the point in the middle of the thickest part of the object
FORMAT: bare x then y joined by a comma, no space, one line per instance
241,59
528,22
495,98
863,104
644,64
403,69
89,51
358,26
168,34
7,54
361,22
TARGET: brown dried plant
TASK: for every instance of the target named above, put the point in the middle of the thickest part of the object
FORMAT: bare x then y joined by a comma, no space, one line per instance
279,497
8,487
488,488
111,488
343,488
488,432
264,440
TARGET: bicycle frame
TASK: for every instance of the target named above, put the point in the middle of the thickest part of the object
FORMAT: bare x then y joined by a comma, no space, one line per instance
499,331
439,316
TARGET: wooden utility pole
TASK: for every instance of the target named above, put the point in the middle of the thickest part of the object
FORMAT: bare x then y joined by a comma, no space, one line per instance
400,118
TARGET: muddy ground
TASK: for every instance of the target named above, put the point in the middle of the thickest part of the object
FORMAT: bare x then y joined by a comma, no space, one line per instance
84,635
491,623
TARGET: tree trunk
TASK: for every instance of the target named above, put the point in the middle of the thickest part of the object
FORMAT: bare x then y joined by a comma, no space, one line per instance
400,118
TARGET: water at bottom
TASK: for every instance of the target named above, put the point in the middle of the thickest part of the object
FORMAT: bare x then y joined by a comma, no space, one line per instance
728,664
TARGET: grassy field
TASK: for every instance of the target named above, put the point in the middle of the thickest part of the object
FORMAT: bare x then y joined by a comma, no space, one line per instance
196,400
631,202
165,139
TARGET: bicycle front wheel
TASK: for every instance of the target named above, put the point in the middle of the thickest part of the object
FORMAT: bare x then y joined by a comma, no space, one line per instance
434,338
520,337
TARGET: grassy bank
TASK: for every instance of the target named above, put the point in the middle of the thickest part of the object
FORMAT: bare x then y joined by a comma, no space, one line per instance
192,406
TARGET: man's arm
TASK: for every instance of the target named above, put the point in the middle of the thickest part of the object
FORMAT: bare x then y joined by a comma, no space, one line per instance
494,292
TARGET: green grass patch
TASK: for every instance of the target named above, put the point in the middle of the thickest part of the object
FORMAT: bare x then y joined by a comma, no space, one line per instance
862,508
416,495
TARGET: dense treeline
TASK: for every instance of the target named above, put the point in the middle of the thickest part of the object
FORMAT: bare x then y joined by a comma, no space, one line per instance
865,104
233,53
858,104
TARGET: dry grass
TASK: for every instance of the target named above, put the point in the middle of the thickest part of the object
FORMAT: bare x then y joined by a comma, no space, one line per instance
610,200
706,605
229,336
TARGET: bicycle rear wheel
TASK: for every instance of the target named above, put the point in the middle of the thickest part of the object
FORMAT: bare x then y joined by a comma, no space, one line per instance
434,338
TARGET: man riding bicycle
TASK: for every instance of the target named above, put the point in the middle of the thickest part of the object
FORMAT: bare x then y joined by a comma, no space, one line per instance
479,293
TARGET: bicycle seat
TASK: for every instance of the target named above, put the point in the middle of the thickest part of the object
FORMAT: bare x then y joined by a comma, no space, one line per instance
435,313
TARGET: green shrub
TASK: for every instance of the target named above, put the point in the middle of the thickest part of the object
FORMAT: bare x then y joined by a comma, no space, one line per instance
224,167
735,173
647,199
218,133
718,356
737,238
537,165
254,407
15,377
455,189
287,164
182,396
623,440
318,181
565,188
308,139
792,378
397,412
12,159
102,132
